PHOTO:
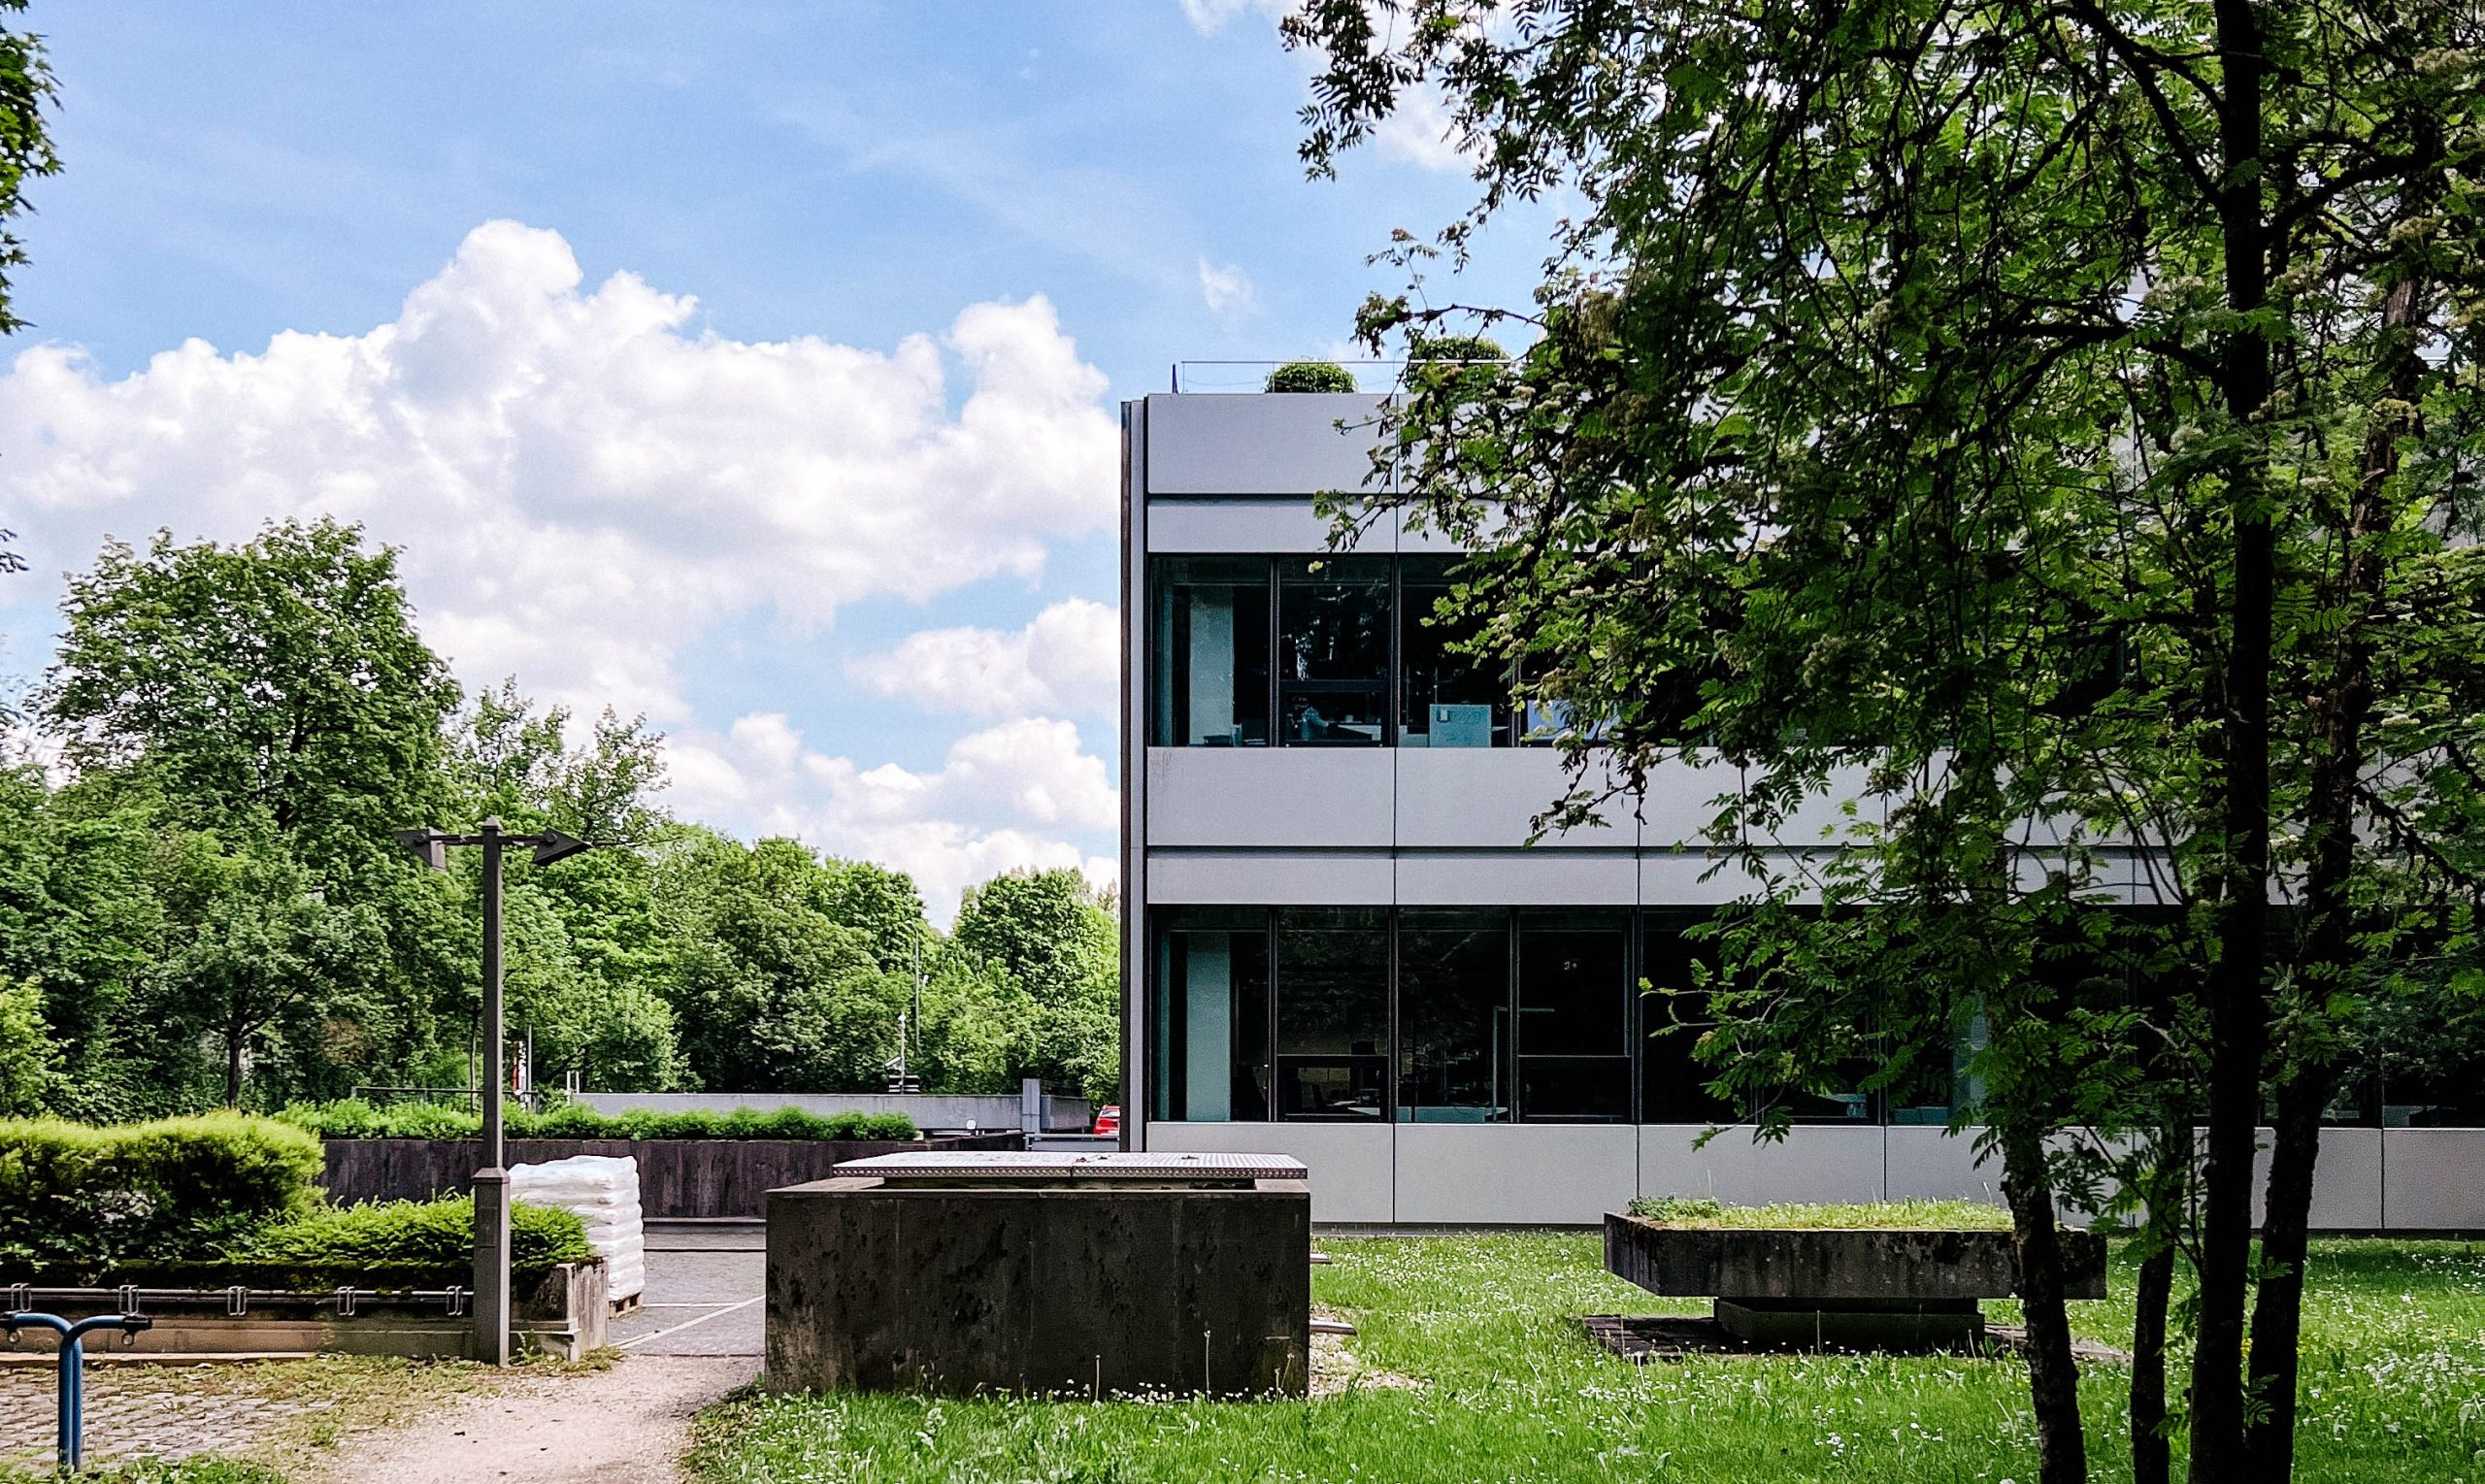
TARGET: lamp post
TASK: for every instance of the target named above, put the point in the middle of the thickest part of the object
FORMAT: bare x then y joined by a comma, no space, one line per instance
491,1182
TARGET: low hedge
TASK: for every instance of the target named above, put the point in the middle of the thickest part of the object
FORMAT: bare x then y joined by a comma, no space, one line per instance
76,1199
427,1235
353,1118
1310,377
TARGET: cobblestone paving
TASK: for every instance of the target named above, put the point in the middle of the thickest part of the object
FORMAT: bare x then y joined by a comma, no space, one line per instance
134,1414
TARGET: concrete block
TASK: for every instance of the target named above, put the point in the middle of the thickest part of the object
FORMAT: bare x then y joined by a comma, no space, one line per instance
874,1286
1888,1267
1929,1326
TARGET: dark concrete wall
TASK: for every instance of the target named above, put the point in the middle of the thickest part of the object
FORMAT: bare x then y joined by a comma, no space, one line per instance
1906,1266
679,1179
1045,1291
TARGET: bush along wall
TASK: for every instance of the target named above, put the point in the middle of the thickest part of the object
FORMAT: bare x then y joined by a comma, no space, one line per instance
352,1118
77,1200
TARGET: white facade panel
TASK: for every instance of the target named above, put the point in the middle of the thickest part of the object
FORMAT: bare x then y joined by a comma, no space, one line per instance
1269,796
1541,1173
1490,797
2433,1179
1683,801
1517,878
1349,1163
1291,445
1244,527
1831,815
2346,1181
1814,1163
1270,878
1930,1164
1689,879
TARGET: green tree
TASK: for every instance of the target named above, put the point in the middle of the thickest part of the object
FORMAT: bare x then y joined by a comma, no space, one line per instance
278,682
26,90
885,906
29,1061
1895,357
1054,936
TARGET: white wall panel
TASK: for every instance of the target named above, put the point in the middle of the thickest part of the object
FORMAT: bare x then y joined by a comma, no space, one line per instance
1517,878
1206,444
1271,877
2433,1179
1823,818
1491,795
1814,1163
1269,796
1246,527
1515,1173
1928,1163
1349,1162
1682,800
1689,879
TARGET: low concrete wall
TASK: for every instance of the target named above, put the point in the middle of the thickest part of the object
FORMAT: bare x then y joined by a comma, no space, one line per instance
679,1179
929,1110
568,1315
1897,1266
1086,1292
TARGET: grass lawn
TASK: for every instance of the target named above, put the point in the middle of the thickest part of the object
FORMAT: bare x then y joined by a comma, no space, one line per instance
1506,1388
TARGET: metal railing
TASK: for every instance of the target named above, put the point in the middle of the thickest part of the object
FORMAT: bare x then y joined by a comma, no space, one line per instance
1371,375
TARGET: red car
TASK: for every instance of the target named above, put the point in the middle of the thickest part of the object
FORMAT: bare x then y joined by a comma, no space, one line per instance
1109,1119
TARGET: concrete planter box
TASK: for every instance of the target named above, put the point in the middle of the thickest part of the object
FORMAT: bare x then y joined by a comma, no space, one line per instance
1877,1288
566,1314
1079,1289
679,1179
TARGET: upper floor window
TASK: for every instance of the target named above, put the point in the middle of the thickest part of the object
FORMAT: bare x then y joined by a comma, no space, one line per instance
1209,634
1333,652
1447,698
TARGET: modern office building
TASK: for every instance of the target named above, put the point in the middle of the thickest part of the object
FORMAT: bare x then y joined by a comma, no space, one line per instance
1339,945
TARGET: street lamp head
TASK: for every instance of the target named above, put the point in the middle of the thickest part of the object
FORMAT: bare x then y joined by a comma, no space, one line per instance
553,846
429,847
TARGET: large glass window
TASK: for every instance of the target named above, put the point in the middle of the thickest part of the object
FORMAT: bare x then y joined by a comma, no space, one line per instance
1211,1015
1446,698
1673,1082
1333,652
1575,1016
1333,1011
1209,637
1454,1046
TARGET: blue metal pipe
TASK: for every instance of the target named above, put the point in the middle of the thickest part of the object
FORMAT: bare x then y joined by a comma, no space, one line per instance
73,1370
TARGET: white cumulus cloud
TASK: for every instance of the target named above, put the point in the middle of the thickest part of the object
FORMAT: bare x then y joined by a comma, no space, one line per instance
1003,797
1067,658
583,481
1227,290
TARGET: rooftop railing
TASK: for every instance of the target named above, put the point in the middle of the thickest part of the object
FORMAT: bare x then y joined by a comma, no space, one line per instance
1377,376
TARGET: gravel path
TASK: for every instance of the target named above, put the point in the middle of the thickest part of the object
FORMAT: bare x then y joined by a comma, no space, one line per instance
631,1422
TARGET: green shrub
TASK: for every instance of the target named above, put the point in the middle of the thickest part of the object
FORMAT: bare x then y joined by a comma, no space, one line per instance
1457,348
1310,376
410,1235
353,1118
78,1199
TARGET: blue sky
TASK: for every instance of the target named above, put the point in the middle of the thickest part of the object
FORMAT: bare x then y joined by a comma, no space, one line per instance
843,525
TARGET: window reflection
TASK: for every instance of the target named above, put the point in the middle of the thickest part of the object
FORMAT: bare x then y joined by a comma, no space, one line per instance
1673,1082
1448,699
1453,1017
1211,1009
1575,1015
1333,1011
1333,652
1210,642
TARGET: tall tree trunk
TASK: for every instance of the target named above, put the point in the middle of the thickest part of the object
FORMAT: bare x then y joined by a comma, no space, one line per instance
2053,1374
234,1036
2239,999
2341,712
2152,1454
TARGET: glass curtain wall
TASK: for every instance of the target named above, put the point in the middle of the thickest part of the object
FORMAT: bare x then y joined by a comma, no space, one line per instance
1454,1047
1333,652
1446,698
1210,638
1333,1013
1575,1015
1211,1016
1673,1082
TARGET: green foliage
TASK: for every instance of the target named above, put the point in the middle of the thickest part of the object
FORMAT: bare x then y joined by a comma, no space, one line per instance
432,1235
26,90
29,1062
1700,1212
353,1118
1310,377
84,1199
1051,934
